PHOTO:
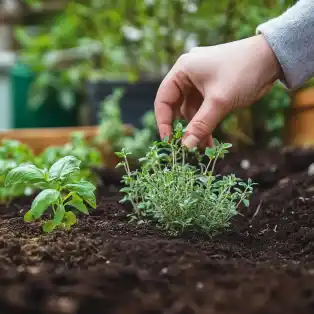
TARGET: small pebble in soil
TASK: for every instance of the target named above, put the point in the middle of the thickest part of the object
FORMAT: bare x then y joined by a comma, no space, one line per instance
34,270
245,164
284,181
107,262
164,271
63,305
273,168
310,170
199,286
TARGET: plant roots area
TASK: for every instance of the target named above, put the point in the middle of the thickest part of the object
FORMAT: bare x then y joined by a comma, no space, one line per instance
263,264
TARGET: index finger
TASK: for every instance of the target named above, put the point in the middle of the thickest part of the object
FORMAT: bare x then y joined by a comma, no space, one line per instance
169,96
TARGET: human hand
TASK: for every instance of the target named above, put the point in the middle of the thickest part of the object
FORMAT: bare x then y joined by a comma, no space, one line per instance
207,83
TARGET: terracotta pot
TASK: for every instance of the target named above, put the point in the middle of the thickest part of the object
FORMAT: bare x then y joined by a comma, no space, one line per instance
300,119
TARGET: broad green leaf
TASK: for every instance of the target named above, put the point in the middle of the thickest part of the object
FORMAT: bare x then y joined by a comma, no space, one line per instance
64,167
49,226
59,214
69,219
89,198
41,202
78,203
28,217
80,187
85,190
26,174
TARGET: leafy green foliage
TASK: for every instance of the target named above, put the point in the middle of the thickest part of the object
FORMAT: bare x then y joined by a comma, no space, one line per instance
179,195
112,129
62,191
12,154
89,156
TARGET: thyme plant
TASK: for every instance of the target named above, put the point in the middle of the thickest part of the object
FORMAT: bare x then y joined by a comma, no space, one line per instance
179,195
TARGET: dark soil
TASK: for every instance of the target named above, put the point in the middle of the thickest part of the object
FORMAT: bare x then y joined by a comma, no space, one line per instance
263,265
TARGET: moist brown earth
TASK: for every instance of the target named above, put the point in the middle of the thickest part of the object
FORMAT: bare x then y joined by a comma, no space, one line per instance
263,264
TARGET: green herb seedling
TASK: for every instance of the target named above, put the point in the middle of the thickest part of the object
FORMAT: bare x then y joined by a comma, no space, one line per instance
62,189
179,196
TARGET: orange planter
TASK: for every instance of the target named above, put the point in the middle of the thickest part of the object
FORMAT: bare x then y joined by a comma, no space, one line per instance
300,119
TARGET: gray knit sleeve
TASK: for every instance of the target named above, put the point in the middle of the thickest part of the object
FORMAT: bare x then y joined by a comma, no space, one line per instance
291,37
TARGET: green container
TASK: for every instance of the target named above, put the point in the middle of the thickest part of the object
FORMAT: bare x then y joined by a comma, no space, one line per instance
49,114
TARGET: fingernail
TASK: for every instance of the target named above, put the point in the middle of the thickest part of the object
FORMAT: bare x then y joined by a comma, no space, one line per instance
190,141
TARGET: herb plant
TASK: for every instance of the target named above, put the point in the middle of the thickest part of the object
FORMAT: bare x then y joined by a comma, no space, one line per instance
89,156
179,195
62,190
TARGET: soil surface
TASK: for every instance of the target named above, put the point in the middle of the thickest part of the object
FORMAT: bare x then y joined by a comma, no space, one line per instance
263,265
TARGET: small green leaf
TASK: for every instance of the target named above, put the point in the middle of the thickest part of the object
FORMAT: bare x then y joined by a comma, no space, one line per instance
227,145
119,154
49,226
69,219
41,202
210,152
26,174
78,203
166,139
120,164
246,202
59,214
64,167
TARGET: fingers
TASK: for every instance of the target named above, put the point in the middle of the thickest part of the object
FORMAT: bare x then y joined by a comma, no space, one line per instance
168,98
203,123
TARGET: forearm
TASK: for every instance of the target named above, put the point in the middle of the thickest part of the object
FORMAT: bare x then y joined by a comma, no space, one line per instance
291,37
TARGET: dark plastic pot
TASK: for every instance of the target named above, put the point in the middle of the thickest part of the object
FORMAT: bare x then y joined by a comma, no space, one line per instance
138,99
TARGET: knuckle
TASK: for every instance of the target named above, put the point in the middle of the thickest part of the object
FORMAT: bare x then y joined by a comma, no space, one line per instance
200,128
183,59
220,100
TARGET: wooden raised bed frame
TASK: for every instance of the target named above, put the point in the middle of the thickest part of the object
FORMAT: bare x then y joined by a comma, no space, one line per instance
41,138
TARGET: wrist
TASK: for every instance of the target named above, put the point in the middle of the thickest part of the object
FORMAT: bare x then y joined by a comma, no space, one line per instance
271,65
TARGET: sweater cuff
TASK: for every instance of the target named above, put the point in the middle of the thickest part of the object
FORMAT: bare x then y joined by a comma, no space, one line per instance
291,37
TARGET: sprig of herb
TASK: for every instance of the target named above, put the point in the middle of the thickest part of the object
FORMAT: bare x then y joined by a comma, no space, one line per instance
178,195
61,187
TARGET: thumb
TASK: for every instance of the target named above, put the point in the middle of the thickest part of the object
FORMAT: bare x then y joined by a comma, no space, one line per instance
202,125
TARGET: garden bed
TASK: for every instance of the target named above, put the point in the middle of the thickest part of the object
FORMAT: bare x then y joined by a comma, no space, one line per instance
264,264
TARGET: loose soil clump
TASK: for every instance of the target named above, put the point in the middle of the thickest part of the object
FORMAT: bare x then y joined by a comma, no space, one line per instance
263,264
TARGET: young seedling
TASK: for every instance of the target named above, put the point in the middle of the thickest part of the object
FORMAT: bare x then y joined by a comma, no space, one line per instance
62,191
180,196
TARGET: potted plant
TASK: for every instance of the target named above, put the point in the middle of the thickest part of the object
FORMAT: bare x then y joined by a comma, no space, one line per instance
96,47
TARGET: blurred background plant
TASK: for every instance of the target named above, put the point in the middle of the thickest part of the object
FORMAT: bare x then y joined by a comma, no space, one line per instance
140,41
